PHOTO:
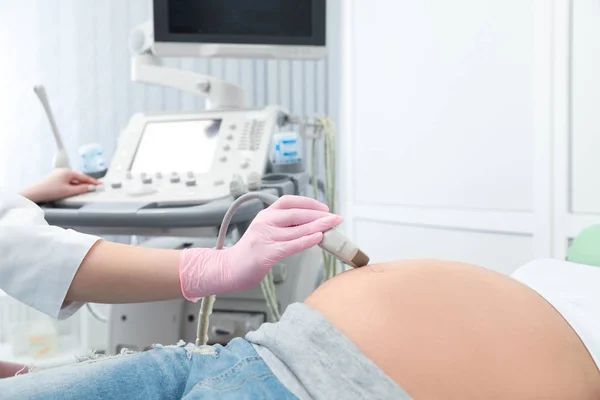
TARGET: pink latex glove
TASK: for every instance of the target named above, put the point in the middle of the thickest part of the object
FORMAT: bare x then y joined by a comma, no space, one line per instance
289,226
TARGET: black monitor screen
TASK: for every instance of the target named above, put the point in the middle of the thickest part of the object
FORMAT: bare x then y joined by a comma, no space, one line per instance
271,22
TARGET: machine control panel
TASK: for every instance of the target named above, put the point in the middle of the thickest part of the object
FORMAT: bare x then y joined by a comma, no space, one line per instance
185,159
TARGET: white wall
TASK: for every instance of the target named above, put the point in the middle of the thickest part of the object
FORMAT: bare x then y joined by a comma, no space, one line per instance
453,140
576,100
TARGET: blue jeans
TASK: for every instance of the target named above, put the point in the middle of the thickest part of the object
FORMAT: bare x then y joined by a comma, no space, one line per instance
166,372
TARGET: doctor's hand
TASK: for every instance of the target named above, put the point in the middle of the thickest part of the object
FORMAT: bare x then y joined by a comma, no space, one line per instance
289,226
60,184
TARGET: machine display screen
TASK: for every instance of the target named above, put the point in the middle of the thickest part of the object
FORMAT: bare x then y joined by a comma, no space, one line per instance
294,22
249,17
177,146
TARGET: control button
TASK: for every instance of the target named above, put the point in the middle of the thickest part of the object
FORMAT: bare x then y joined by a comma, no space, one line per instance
190,182
230,137
237,187
147,180
233,127
159,175
99,188
143,175
245,165
219,182
254,181
175,179
223,159
190,174
226,147
115,185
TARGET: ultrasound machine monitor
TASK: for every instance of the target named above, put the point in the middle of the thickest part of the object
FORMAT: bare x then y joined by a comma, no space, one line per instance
240,28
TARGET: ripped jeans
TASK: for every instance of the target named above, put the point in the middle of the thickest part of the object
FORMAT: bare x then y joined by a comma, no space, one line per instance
166,372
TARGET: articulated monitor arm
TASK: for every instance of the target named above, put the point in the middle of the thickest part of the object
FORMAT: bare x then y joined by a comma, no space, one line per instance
147,68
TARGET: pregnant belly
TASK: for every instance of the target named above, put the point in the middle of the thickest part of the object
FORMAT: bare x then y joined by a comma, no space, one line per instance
445,330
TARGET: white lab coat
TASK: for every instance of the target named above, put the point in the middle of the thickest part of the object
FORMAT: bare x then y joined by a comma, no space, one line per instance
38,261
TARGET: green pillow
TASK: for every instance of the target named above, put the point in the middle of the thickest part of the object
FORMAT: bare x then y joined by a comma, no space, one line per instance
585,249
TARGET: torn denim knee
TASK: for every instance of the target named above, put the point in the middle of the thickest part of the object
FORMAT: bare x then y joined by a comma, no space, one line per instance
191,349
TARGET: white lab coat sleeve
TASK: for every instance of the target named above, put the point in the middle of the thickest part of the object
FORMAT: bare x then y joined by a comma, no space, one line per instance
37,261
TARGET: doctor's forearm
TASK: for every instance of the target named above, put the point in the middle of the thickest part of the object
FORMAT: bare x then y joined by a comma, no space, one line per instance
117,273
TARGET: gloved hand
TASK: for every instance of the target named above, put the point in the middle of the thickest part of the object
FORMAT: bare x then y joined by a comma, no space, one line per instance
289,226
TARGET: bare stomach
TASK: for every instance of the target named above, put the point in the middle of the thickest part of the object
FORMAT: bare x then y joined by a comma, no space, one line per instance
445,330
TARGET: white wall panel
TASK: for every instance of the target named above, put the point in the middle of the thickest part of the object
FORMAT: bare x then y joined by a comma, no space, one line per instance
443,103
585,107
390,242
